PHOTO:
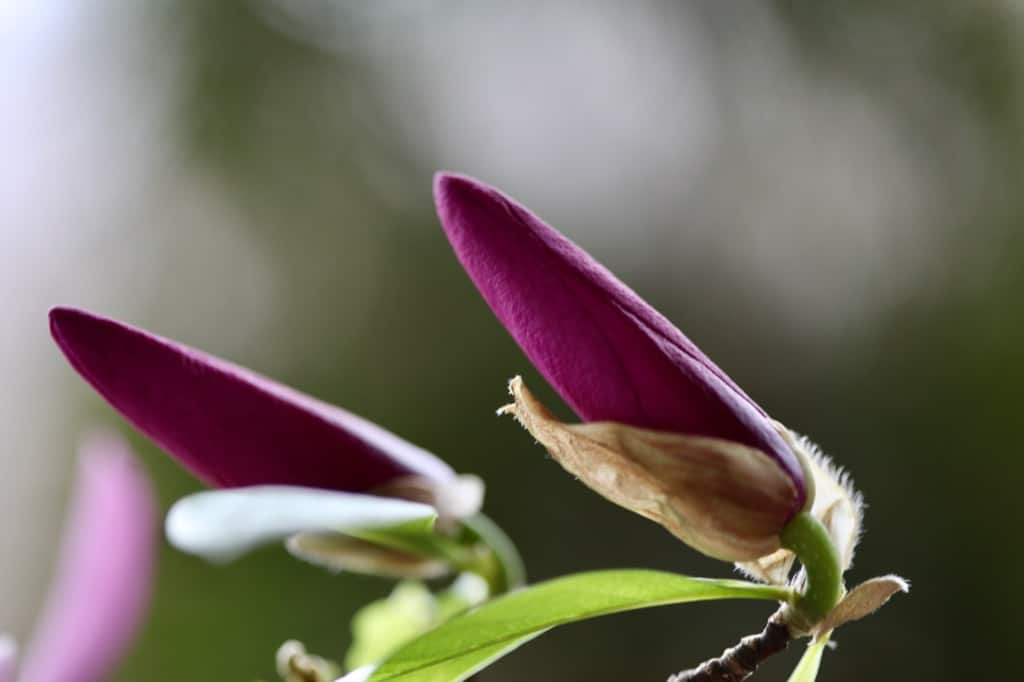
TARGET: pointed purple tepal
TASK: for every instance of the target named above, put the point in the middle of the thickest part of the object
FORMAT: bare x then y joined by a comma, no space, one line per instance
230,426
608,353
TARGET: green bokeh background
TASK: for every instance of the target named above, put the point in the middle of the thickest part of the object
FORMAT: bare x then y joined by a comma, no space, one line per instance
923,404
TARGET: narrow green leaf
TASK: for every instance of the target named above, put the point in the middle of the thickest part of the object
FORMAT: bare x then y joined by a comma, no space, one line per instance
807,669
457,668
219,525
460,647
466,665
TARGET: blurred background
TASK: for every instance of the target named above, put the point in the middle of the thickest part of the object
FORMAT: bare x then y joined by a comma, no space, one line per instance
824,196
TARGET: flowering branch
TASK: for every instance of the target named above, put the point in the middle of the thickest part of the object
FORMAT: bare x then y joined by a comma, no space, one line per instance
663,432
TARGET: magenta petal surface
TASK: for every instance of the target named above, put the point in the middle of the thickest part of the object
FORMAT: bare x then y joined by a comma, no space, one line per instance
228,425
609,354
102,585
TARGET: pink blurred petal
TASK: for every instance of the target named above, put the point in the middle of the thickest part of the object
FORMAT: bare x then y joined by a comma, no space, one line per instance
8,658
102,585
228,425
608,353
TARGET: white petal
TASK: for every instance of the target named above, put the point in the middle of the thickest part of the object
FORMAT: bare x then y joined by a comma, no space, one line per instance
220,525
461,497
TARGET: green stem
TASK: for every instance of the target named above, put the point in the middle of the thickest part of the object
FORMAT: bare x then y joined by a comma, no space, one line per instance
505,567
806,537
479,547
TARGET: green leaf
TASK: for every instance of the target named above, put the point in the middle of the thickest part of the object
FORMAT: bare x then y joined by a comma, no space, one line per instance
466,644
220,525
807,669
457,668
465,665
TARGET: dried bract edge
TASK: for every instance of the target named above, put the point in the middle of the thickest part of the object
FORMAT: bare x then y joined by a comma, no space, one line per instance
862,601
725,499
339,552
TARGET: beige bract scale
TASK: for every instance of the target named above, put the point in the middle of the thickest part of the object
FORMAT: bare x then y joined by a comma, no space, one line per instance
725,499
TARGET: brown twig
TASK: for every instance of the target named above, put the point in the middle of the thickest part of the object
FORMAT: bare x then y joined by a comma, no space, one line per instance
740,662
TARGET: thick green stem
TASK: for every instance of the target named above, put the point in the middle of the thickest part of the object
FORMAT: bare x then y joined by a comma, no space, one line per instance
806,537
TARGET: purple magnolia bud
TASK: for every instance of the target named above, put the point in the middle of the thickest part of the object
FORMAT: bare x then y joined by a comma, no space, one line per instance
232,427
609,354
102,585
